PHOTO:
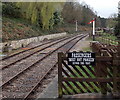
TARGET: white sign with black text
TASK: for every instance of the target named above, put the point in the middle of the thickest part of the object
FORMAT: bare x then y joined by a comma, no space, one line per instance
81,58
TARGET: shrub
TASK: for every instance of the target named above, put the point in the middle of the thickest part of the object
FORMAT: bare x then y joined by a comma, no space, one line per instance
117,27
10,9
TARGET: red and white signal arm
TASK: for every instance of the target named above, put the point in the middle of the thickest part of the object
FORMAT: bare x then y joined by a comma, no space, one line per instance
92,21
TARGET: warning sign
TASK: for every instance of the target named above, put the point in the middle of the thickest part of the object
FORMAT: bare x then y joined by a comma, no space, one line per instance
81,58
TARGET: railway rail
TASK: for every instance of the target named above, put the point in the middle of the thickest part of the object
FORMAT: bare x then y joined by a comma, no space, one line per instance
19,65
12,55
36,71
12,59
16,67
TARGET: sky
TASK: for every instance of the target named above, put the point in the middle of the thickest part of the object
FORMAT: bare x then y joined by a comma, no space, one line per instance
104,8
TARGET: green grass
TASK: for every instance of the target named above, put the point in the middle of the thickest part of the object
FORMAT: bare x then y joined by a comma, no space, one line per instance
110,36
87,49
107,41
104,38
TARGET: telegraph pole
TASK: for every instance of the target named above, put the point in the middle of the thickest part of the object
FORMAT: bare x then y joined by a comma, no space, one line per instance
76,26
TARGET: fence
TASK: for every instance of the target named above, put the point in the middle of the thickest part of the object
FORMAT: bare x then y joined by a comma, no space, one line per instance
113,52
103,77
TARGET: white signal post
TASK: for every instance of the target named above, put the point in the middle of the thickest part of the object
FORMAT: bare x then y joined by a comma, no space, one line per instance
76,26
94,29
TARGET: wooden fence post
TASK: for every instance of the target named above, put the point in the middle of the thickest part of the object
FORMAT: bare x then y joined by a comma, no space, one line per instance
98,71
103,73
119,64
116,59
118,48
114,74
60,93
104,68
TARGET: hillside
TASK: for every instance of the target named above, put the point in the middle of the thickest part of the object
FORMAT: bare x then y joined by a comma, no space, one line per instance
14,29
30,19
17,29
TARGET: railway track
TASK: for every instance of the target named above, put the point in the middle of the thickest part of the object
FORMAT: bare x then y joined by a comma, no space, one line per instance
18,66
11,60
12,55
34,71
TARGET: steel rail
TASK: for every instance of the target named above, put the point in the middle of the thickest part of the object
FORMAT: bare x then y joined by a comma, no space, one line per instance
6,66
7,57
40,81
21,72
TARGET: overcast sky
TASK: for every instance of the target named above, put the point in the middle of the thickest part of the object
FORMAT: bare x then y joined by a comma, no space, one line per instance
104,8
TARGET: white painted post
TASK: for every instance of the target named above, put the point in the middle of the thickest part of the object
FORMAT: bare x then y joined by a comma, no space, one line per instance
76,25
94,29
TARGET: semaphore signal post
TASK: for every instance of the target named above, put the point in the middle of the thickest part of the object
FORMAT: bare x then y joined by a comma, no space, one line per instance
93,21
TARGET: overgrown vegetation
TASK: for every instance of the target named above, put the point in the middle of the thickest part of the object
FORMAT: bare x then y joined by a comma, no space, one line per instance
28,19
17,29
39,13
117,27
111,21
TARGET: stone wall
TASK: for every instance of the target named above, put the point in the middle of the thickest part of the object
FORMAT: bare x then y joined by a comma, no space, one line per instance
24,42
